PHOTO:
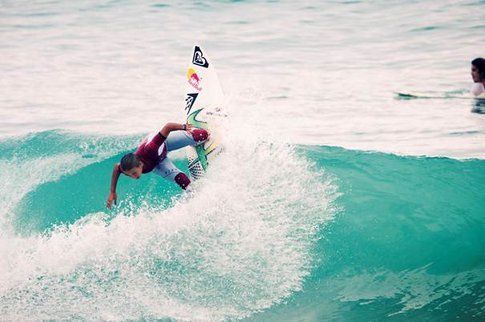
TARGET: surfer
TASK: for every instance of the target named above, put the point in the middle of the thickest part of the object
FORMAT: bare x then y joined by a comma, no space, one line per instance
478,75
151,155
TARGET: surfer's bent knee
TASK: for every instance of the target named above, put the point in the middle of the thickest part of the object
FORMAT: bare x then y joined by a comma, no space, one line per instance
182,180
200,135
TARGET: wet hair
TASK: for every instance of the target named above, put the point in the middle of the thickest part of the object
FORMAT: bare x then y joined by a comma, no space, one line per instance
479,63
129,161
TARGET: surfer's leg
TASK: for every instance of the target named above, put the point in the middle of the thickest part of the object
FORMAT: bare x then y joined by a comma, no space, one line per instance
169,171
180,139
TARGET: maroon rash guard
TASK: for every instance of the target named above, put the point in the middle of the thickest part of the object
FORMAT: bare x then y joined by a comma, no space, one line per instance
148,152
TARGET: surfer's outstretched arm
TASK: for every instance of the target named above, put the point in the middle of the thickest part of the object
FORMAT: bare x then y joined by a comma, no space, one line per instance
114,181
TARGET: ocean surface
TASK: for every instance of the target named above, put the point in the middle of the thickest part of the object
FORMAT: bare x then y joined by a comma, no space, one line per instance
334,200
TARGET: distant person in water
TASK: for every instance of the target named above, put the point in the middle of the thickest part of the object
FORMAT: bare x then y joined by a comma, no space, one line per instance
478,75
151,155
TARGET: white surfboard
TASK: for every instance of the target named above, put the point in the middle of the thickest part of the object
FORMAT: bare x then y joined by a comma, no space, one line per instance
203,109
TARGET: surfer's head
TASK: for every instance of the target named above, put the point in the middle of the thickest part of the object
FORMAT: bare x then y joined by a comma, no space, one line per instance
478,70
131,165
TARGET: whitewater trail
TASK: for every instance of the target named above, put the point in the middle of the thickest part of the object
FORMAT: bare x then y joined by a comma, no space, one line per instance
238,244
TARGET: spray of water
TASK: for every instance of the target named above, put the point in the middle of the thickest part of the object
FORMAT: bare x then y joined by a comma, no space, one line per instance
239,242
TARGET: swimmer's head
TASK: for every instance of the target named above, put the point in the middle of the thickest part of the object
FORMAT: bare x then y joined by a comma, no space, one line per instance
478,70
131,165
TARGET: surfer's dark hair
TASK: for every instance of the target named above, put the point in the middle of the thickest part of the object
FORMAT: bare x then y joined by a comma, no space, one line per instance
129,161
479,63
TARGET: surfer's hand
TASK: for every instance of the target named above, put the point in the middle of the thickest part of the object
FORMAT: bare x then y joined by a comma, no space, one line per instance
112,197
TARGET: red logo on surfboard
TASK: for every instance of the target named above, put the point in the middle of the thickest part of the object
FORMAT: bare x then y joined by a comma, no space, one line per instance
193,79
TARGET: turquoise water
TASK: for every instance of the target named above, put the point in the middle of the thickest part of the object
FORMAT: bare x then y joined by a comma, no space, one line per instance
354,236
407,243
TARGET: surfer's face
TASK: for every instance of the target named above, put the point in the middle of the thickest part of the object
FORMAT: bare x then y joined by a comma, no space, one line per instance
475,74
135,172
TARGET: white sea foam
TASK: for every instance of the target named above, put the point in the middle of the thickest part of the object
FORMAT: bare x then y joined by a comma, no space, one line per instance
238,243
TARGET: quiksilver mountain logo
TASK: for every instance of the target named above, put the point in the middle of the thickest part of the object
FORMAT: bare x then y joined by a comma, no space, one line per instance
199,58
